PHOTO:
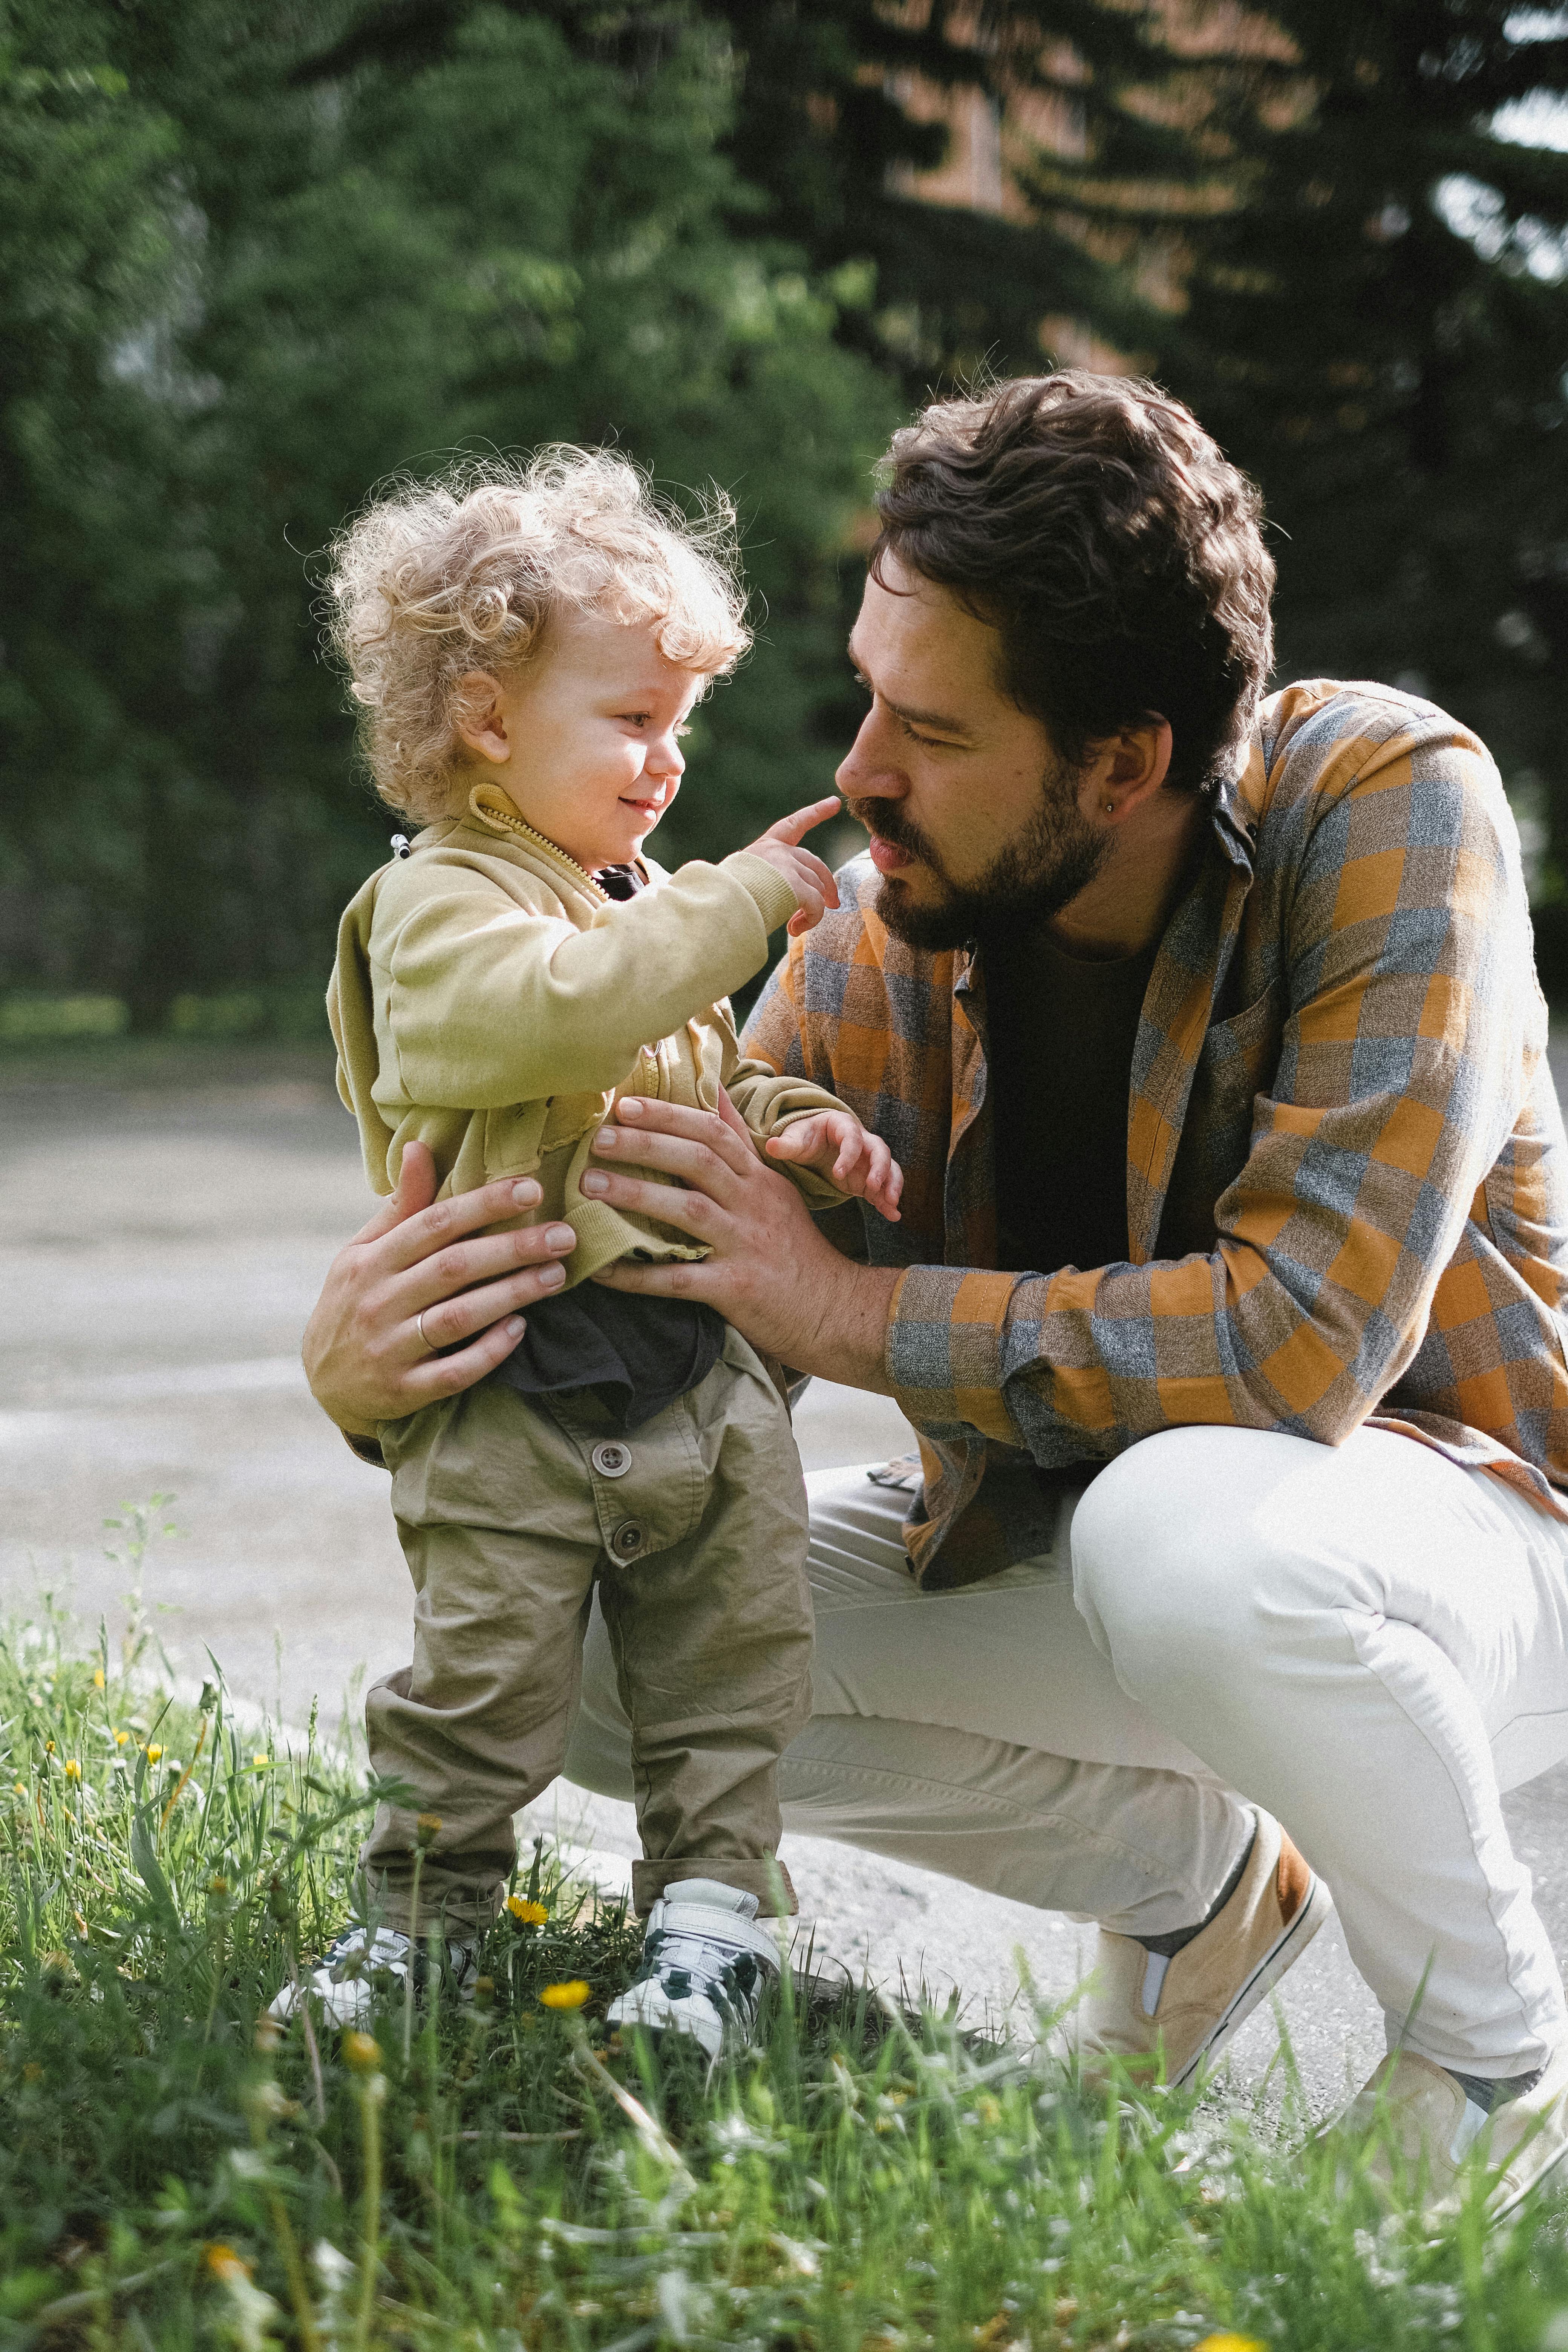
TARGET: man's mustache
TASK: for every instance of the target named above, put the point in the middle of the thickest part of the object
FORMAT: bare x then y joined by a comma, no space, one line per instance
887,820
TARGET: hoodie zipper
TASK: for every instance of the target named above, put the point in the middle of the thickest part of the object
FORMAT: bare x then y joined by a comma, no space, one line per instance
521,824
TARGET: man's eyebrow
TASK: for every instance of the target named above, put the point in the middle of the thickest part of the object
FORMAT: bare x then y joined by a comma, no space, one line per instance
937,720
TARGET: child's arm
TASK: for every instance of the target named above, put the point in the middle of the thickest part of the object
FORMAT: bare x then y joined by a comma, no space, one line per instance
810,1135
490,1003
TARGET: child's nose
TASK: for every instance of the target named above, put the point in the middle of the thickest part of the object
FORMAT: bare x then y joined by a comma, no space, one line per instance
664,756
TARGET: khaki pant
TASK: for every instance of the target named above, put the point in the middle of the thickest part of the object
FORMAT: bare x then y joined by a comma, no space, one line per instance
694,1530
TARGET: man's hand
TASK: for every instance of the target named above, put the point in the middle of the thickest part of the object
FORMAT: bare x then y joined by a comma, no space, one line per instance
835,1143
769,1272
807,877
367,1357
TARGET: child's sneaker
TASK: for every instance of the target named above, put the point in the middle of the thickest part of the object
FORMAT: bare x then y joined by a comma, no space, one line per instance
705,1967
352,1971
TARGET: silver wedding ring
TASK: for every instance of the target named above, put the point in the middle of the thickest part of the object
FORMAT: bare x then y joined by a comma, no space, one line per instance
419,1327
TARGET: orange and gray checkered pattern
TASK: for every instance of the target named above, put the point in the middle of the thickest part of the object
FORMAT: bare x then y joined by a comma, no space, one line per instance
1347,1176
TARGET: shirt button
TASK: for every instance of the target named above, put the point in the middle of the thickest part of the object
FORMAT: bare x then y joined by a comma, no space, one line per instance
627,1540
610,1460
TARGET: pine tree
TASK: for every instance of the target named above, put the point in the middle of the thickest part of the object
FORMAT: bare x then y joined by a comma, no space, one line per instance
826,126
1376,325
506,244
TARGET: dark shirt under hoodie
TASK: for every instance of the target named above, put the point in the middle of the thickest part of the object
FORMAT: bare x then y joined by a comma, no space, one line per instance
635,1354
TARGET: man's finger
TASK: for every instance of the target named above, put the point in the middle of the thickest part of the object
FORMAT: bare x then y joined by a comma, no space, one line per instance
637,1118
445,1376
457,1314
793,829
693,1212
732,1119
433,1228
415,1189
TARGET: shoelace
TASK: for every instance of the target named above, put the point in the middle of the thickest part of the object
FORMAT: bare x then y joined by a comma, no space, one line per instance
728,1975
355,1955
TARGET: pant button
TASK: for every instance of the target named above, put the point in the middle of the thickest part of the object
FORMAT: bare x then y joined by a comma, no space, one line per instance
627,1540
610,1460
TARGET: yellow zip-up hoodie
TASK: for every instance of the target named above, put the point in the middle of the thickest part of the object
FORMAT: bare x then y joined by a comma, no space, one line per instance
490,999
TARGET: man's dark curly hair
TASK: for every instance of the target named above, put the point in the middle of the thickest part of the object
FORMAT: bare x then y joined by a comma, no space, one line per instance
1094,523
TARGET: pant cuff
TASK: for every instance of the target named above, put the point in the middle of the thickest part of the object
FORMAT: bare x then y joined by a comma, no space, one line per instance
459,1912
768,1880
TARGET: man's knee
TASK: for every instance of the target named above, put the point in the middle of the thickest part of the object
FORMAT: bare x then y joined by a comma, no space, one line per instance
1166,1568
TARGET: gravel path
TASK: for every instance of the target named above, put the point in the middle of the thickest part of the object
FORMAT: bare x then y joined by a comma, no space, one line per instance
165,1233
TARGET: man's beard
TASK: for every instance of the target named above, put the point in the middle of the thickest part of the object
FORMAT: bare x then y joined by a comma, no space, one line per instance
1057,855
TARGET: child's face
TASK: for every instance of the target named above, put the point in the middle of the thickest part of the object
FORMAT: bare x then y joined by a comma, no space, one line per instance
586,739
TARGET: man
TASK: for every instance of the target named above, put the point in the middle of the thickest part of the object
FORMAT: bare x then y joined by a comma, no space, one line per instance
1208,1036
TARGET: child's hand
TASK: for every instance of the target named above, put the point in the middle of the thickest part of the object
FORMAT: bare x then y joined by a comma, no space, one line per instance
806,875
835,1143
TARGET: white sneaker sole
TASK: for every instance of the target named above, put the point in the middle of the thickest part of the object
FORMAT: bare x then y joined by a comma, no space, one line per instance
1317,1907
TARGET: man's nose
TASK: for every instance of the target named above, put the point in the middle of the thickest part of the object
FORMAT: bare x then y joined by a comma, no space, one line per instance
868,770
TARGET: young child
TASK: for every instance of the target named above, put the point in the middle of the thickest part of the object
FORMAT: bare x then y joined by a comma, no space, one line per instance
527,645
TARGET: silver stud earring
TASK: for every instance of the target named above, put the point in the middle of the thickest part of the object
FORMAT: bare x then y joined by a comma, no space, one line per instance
1109,808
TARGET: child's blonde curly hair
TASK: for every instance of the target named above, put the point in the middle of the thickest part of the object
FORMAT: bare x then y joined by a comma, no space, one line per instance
438,580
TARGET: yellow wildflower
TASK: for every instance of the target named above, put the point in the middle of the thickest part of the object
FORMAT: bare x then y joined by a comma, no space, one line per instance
226,2264
97,1678
49,1746
570,1995
427,1828
120,1738
73,1770
361,2052
153,1754
21,1787
1227,2342
261,1760
219,1886
532,1914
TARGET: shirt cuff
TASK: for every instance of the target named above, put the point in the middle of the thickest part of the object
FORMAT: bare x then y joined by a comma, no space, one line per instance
944,1349
764,884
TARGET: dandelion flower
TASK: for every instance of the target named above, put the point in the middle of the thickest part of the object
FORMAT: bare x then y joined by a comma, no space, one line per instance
120,1738
261,1760
570,1995
153,1754
1226,2341
49,1746
73,1770
427,1828
226,2264
97,1678
361,2052
21,1787
532,1914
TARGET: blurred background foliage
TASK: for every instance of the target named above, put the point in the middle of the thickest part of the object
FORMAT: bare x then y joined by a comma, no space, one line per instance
257,254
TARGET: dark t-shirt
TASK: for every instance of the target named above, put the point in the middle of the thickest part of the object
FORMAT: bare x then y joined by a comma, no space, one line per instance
1060,1039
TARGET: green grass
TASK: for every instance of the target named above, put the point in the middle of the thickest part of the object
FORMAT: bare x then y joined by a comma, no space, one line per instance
171,2176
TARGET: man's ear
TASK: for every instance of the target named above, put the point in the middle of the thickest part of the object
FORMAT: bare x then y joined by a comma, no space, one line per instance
1124,771
479,716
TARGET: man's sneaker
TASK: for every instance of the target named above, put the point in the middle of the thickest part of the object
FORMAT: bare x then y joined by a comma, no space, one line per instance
1414,2134
1177,2013
705,1967
362,1970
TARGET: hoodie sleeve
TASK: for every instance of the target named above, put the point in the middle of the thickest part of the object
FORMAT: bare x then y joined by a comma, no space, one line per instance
489,1004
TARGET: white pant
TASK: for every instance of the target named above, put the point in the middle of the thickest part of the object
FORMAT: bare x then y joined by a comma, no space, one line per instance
1368,1641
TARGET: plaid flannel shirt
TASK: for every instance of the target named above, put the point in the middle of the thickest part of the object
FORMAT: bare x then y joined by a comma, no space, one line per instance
1347,1176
